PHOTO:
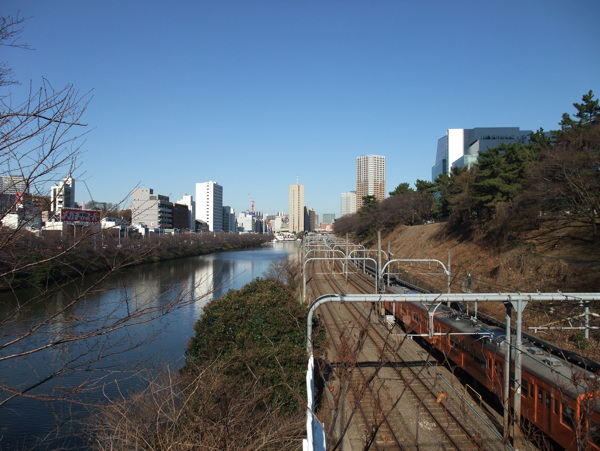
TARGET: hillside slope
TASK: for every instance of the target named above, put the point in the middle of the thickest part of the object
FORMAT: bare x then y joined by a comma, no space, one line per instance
545,261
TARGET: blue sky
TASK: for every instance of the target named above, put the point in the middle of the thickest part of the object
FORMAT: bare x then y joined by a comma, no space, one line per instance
255,94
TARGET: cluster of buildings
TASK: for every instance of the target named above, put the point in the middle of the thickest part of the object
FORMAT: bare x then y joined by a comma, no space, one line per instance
458,148
19,207
205,212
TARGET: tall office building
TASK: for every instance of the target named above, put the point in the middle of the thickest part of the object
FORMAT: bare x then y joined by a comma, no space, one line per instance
348,203
328,218
461,147
229,223
296,204
13,184
209,205
370,178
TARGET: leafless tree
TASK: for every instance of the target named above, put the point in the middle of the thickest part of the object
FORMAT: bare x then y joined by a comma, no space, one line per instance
40,140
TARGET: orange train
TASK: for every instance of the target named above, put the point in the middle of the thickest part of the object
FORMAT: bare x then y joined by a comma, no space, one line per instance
560,399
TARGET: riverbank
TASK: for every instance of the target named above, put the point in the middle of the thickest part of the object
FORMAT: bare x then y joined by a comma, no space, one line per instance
30,261
110,341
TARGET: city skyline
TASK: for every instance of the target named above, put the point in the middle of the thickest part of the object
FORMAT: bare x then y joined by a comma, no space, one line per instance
243,94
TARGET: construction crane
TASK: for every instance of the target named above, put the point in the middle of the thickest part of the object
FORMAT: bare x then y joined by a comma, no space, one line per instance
251,202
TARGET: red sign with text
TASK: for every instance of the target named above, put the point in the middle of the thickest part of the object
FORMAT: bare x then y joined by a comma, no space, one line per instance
72,215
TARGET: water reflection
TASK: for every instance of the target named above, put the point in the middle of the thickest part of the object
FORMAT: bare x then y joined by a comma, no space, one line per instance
104,365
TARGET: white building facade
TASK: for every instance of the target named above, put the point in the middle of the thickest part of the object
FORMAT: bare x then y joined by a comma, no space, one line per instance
370,178
209,205
348,203
460,147
62,195
152,210
246,222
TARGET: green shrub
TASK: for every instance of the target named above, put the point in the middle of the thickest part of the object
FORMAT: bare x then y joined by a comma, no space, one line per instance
260,329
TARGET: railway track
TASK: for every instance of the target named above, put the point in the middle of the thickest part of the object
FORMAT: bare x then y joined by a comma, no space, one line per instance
386,392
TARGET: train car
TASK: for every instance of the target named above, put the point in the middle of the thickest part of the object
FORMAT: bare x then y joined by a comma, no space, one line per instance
560,399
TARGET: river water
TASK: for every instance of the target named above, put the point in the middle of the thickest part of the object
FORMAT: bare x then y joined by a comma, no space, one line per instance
108,367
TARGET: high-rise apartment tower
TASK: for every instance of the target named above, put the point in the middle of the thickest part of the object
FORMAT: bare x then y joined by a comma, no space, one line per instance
296,204
370,178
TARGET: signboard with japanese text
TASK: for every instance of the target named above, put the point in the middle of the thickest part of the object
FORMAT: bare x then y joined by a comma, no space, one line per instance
73,215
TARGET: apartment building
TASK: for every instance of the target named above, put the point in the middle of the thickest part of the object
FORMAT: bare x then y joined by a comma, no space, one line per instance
296,208
370,178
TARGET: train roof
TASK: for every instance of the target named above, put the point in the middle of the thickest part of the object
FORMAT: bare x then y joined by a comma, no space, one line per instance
536,361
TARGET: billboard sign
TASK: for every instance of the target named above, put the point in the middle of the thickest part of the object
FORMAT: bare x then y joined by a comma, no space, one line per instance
73,215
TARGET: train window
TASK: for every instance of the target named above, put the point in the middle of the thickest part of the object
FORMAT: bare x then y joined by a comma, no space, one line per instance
568,416
540,395
416,317
479,359
547,400
524,387
454,342
556,407
498,368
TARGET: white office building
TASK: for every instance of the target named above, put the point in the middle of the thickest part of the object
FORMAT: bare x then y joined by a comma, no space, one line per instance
62,195
460,147
209,205
246,222
152,210
348,203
